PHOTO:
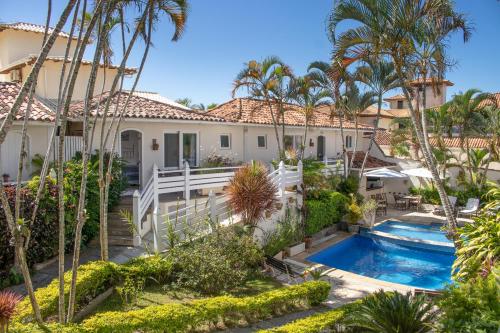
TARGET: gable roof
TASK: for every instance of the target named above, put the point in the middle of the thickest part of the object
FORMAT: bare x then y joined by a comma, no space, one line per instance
431,80
495,98
30,27
31,59
395,97
372,111
142,107
8,94
157,97
254,111
371,161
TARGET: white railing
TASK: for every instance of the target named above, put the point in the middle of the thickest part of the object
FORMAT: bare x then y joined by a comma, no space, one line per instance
72,145
334,164
186,180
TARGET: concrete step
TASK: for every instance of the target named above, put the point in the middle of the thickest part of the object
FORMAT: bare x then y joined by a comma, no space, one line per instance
120,241
119,232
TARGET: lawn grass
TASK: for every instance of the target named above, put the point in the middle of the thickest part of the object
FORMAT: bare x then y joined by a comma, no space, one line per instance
157,294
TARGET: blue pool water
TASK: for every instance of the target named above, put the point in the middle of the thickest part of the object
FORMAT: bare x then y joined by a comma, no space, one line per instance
387,261
411,230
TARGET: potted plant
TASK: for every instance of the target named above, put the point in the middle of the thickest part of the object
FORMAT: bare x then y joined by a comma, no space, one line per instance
369,209
354,214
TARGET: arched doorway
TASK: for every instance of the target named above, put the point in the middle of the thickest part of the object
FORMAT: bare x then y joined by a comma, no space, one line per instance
131,153
320,152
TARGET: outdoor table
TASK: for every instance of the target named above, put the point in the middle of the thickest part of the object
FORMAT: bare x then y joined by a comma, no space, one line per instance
408,198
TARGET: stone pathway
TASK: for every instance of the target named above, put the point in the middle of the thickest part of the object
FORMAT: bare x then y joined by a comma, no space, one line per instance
42,277
278,321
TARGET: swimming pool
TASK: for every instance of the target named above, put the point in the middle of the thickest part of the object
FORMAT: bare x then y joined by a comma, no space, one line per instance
412,230
387,261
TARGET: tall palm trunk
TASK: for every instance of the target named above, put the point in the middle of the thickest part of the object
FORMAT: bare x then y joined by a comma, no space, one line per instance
450,217
276,132
340,113
355,148
372,137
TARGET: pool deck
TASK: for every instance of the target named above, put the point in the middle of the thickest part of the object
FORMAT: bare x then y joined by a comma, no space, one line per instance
347,286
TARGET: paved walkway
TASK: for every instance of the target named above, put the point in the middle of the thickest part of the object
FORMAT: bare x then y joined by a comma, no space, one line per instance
42,277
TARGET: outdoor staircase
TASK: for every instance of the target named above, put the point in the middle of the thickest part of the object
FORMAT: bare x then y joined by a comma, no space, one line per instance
119,233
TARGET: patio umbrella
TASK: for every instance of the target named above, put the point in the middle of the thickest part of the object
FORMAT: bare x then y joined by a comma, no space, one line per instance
384,173
419,172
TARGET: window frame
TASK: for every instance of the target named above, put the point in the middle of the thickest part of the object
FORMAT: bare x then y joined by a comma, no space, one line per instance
228,141
265,141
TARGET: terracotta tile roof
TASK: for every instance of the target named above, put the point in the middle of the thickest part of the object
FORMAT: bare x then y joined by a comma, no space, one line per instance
253,111
456,143
395,97
495,98
29,60
30,27
8,93
371,162
142,107
372,111
430,80
383,138
399,113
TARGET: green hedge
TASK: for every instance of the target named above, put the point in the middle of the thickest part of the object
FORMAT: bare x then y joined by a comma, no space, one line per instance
177,317
93,278
325,211
313,324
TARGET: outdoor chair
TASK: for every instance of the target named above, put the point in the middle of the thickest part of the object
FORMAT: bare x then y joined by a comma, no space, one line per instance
399,202
277,267
471,207
416,202
440,210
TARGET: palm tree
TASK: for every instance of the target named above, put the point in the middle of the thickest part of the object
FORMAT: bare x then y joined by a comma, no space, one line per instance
306,93
330,77
403,138
395,29
186,101
266,81
380,76
466,115
354,102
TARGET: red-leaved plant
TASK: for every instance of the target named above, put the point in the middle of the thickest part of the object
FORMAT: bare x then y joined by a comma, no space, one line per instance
252,194
8,303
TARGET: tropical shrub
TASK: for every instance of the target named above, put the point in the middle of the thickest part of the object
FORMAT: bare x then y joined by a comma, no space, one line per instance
251,193
354,212
472,306
348,185
218,262
178,317
43,240
8,303
478,247
288,231
325,211
154,269
383,312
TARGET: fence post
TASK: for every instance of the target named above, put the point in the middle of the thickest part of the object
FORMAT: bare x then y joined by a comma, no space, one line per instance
300,184
156,209
212,202
282,172
325,160
187,192
136,197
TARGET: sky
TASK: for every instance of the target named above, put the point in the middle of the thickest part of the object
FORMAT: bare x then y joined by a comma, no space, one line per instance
222,35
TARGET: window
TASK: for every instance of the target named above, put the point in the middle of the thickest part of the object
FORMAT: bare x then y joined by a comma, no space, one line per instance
293,142
189,152
400,104
348,141
225,141
261,141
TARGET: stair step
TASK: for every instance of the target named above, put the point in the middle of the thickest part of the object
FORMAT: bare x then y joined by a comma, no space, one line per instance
120,241
119,232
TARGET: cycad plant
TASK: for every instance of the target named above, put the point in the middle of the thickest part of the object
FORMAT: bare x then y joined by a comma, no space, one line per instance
392,312
252,193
